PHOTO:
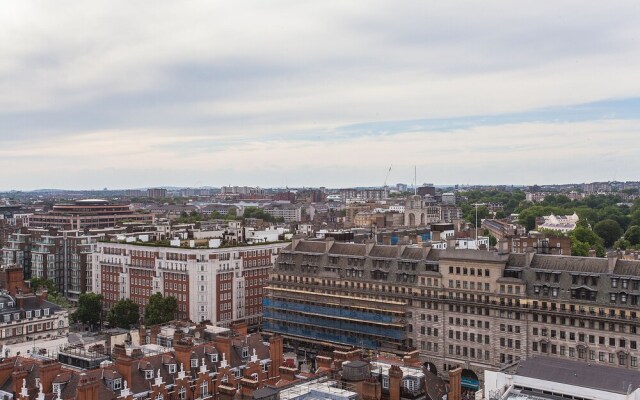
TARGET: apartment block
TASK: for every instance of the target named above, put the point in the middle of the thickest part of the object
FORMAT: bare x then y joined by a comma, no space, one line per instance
220,285
478,309
58,255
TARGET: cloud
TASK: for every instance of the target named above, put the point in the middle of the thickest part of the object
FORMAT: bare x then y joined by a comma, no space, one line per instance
176,83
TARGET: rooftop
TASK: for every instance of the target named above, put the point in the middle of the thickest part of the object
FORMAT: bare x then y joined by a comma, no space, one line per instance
579,373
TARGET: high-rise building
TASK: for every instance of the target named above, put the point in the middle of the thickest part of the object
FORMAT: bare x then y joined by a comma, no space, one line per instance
157,193
58,255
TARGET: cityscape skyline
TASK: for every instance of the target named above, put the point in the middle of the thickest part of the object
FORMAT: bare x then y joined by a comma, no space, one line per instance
296,94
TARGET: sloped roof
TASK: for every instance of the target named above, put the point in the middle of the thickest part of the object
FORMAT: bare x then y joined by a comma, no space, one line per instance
384,251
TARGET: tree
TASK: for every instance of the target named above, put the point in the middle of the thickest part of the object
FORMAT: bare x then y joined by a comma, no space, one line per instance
89,308
609,230
160,309
583,239
38,283
123,314
633,235
59,300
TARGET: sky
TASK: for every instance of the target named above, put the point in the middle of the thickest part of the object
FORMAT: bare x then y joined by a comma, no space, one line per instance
127,94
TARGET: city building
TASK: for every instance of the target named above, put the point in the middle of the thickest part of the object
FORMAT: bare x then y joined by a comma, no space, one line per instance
157,193
417,213
478,309
502,228
541,244
58,255
288,212
225,367
220,285
562,223
449,198
88,214
535,197
27,316
449,213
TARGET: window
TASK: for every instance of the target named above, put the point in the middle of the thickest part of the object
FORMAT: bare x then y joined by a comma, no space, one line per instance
117,384
148,374
172,368
194,363
204,389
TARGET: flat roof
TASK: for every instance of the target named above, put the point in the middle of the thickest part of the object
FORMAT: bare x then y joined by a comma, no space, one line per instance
580,373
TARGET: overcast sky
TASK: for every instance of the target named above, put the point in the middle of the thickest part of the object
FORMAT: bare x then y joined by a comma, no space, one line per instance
125,94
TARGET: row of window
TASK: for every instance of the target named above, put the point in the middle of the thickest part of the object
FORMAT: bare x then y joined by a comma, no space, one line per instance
469,271
469,337
469,285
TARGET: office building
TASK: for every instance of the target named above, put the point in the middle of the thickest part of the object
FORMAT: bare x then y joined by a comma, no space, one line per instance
478,309
88,214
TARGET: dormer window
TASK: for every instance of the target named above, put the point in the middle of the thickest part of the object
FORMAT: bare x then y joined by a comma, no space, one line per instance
148,374
117,384
57,387
245,352
10,304
194,363
214,357
237,373
16,316
28,314
46,311
7,317
172,368
37,313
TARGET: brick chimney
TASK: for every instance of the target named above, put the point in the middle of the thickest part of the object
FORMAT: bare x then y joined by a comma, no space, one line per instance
48,371
223,345
411,359
323,362
182,350
239,327
276,351
371,389
395,382
18,376
124,366
155,329
87,388
455,384
42,295
14,280
288,373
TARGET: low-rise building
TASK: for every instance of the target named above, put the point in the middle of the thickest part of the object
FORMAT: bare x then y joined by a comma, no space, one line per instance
546,378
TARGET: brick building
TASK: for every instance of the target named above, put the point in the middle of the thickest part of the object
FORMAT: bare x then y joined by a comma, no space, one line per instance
219,285
227,367
25,315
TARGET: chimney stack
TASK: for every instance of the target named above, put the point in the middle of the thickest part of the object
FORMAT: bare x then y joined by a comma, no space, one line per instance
455,384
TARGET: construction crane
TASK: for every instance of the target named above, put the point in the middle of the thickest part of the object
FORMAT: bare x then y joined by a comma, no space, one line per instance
385,187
